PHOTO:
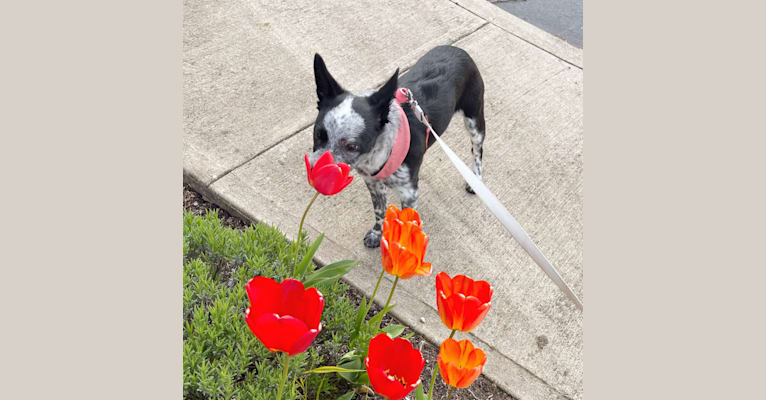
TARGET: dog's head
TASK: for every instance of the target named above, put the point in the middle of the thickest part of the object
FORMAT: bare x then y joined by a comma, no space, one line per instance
348,125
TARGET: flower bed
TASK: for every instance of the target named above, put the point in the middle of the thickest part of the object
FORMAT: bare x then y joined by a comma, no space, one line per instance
223,359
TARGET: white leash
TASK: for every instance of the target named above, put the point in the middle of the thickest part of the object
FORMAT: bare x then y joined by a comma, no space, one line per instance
496,207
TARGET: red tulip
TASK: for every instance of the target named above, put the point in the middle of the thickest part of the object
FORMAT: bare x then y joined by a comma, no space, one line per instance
463,303
393,366
284,317
403,244
326,176
460,363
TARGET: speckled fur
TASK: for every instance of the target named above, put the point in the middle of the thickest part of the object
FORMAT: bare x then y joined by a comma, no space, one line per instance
360,129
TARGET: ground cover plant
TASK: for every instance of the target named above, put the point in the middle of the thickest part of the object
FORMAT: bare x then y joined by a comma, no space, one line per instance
223,359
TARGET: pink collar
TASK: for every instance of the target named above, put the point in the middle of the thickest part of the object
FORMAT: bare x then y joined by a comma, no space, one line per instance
401,143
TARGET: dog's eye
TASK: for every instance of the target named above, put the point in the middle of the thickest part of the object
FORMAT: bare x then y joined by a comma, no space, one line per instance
352,147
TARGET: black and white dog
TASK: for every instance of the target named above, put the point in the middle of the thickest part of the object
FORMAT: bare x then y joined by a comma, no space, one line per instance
360,130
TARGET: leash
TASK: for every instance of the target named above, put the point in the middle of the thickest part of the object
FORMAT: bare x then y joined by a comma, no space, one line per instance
494,205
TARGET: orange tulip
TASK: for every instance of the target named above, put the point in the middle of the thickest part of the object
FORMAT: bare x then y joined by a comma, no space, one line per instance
460,363
403,244
462,302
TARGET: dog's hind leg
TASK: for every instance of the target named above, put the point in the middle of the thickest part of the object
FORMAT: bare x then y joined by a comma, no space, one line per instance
378,195
472,104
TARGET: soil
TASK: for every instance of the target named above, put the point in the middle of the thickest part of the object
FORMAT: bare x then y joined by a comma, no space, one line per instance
481,389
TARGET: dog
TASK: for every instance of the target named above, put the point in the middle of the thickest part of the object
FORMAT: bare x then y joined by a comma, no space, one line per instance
361,130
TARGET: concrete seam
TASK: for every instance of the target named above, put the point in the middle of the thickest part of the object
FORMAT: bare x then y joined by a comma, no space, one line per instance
228,171
514,34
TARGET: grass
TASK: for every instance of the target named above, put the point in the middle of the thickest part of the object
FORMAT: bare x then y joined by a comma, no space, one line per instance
222,359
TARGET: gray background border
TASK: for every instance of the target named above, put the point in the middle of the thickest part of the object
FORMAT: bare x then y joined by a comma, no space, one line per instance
91,152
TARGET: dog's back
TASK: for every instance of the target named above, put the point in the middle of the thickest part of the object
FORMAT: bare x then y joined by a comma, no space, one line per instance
444,81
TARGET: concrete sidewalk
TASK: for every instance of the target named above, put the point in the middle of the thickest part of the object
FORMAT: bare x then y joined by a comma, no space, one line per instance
249,102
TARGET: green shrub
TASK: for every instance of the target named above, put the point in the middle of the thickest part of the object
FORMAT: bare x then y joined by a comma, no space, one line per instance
222,359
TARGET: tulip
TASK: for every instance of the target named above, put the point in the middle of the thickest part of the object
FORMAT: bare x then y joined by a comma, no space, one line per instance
460,363
284,317
462,302
403,244
326,176
402,247
393,366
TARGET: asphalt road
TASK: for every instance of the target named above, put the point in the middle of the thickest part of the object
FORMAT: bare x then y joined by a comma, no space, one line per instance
562,18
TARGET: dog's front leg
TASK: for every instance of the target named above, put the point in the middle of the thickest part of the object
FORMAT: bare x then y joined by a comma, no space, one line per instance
378,194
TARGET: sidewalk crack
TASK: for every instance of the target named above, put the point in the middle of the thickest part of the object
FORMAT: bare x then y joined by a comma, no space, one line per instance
228,171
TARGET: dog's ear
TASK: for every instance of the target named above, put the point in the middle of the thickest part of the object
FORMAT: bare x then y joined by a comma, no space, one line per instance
381,100
327,87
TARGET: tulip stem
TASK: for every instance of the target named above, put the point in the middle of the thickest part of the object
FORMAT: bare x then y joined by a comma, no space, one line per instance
300,227
436,371
451,390
374,292
390,295
284,377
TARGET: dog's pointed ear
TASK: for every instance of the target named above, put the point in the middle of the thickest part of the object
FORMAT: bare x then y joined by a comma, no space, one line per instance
327,87
381,100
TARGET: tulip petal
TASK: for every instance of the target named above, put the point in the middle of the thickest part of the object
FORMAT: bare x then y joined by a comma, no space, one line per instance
308,168
445,311
482,290
324,179
302,343
279,333
475,312
344,169
467,377
410,215
443,283
325,159
424,269
383,385
393,366
292,299
265,295
313,304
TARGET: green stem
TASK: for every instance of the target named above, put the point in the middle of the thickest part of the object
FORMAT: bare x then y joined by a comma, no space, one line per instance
451,390
390,295
300,227
284,377
374,292
321,383
436,371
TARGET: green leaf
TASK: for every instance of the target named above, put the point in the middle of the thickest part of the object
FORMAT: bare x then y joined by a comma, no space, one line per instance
328,369
329,273
300,269
360,314
353,363
393,330
375,320
419,395
346,396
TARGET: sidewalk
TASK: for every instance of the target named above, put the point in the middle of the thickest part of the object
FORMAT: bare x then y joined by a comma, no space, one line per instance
249,102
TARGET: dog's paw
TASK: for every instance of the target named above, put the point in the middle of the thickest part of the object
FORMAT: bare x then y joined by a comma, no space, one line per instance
468,189
372,239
